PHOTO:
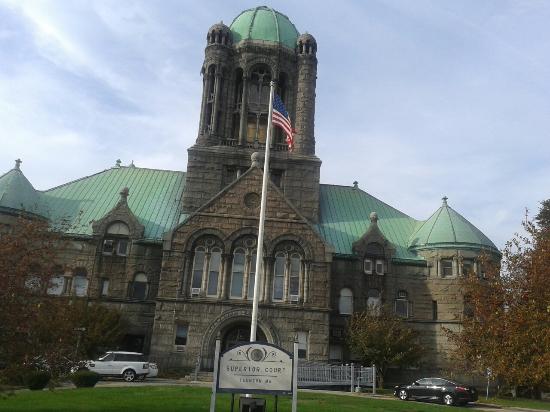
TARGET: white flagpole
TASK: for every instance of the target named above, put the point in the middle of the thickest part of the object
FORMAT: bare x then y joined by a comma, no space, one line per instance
260,251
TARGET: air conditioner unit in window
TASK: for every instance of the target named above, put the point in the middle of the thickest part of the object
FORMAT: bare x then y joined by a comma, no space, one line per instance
294,298
180,348
195,291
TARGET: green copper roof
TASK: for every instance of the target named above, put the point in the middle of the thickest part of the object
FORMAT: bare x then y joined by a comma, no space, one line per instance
264,23
16,192
155,198
344,218
446,228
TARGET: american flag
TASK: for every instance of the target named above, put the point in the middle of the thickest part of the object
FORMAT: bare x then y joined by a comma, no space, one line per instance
281,118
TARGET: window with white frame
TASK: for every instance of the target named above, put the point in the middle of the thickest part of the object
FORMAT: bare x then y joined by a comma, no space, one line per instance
446,267
402,304
379,267
367,266
345,302
56,285
80,285
207,267
237,274
287,273
302,344
104,287
116,240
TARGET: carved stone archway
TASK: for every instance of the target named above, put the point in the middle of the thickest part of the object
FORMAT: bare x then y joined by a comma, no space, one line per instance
224,323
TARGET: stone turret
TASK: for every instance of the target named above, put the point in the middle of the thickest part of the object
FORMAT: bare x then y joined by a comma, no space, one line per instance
306,49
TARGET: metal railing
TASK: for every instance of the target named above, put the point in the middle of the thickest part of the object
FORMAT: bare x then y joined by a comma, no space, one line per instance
311,374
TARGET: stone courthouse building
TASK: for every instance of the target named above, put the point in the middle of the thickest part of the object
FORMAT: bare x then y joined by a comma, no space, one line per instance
175,251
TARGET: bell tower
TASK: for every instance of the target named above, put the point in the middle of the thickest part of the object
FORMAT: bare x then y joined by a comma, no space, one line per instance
259,46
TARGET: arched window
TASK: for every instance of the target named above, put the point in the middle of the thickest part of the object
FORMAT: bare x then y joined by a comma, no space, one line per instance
373,300
287,272
258,104
80,282
116,240
402,304
237,274
279,276
345,303
207,267
198,270
251,276
214,268
140,287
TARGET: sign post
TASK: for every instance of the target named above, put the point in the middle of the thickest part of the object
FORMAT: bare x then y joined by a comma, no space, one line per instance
255,368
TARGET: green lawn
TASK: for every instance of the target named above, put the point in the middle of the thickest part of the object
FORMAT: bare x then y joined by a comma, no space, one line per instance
189,399
518,403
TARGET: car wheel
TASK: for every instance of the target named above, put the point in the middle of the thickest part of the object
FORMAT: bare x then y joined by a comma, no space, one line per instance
129,375
403,395
448,399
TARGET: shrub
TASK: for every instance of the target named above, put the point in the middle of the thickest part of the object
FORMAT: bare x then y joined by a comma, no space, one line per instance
37,380
85,379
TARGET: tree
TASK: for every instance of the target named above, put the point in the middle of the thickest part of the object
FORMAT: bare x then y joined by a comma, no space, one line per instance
38,330
381,338
507,324
543,217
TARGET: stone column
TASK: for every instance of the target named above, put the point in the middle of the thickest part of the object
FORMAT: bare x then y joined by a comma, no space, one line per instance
244,112
226,277
268,273
304,140
203,104
215,104
184,289
305,283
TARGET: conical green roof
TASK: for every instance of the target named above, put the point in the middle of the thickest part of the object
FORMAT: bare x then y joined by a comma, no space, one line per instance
264,23
16,192
446,228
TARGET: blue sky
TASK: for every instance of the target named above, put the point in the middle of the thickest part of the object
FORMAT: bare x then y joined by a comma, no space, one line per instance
415,99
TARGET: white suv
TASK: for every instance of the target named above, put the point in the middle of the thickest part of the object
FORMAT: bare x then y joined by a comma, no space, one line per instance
128,365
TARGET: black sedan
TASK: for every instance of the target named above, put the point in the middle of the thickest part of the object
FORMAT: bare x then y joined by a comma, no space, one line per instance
443,390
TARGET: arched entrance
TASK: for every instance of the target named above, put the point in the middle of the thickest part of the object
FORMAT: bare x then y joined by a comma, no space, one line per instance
238,333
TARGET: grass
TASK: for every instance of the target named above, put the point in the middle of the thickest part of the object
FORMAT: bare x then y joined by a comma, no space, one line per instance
190,399
517,403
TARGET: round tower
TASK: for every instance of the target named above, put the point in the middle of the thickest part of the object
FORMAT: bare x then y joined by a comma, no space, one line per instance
306,51
215,73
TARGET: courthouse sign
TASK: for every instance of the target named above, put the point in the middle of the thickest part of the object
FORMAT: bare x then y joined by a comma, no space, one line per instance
255,368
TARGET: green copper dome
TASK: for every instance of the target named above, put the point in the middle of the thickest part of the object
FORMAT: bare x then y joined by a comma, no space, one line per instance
16,192
264,23
445,229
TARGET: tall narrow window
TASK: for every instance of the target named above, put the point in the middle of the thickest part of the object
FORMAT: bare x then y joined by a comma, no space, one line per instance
434,309
104,287
367,266
345,303
214,271
294,282
198,268
279,277
302,344
181,337
140,287
252,276
379,267
80,285
467,267
402,304
237,274
373,300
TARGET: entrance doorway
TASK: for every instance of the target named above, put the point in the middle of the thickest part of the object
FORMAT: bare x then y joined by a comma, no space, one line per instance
239,333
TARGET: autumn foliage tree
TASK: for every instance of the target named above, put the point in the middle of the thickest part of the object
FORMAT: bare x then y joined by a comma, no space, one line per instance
38,330
381,338
507,322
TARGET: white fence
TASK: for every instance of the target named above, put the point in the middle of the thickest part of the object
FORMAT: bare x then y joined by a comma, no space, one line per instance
311,374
